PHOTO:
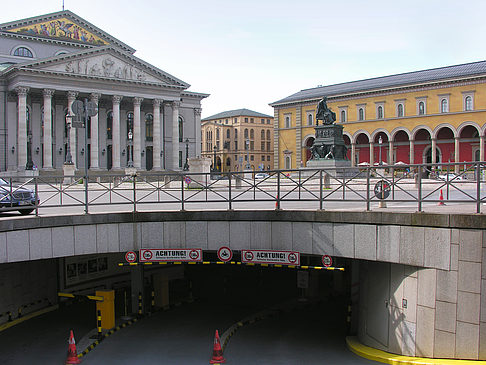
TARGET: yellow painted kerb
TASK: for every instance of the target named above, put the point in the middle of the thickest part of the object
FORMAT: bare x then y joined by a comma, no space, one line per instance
388,358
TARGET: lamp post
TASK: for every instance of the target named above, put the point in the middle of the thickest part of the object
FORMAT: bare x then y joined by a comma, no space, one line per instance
130,137
214,164
247,144
30,164
186,164
380,141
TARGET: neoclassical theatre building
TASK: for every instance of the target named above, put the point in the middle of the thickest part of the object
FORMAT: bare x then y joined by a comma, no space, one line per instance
416,117
48,62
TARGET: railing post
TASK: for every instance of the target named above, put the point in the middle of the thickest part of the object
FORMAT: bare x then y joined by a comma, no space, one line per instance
368,203
182,192
229,192
36,196
134,193
320,189
477,172
419,182
277,204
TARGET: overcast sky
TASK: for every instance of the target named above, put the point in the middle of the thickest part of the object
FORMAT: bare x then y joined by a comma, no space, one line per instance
249,53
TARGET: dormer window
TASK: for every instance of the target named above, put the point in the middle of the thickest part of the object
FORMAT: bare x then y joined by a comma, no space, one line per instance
23,52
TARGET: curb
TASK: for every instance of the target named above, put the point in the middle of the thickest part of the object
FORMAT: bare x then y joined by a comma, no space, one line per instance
388,358
6,325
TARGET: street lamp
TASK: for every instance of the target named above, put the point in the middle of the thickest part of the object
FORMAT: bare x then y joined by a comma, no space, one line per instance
186,164
247,143
380,141
130,138
69,157
30,164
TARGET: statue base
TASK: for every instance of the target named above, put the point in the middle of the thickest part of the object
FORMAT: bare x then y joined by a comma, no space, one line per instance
333,168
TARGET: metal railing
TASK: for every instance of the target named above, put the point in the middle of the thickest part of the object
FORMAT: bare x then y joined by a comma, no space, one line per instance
411,187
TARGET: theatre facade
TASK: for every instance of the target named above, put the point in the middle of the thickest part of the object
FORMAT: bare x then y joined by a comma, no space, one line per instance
145,115
416,117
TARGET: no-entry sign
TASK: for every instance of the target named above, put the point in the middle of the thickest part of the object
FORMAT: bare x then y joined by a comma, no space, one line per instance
170,254
270,257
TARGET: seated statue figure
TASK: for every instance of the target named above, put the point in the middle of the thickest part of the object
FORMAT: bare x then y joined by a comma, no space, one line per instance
324,113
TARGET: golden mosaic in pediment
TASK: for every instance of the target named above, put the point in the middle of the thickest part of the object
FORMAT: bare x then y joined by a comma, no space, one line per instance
61,28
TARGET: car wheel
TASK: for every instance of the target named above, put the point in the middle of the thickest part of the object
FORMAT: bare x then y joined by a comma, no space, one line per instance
25,211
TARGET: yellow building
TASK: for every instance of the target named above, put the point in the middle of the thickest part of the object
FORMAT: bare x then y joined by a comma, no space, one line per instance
415,117
237,138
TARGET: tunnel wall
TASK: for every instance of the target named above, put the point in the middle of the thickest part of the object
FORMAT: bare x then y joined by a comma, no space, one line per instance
444,315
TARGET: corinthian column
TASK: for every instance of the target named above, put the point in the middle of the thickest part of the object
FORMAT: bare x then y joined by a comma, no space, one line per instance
390,152
72,135
175,135
156,154
94,163
137,142
116,132
48,128
197,120
22,127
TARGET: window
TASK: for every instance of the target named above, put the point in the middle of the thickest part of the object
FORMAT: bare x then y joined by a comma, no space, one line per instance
228,134
268,121
400,110
343,116
360,114
288,164
246,133
287,121
262,134
468,103
236,133
23,52
263,146
246,120
252,158
236,145
263,158
379,112
268,146
226,121
444,106
217,133
251,120
252,145
109,125
252,134
268,134
421,108
149,127
181,129
235,120
309,119
262,121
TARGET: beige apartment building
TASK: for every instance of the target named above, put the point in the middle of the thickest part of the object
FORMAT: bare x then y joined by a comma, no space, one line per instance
238,139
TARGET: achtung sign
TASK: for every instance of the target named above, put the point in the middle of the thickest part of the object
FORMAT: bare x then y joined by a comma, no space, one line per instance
170,254
270,257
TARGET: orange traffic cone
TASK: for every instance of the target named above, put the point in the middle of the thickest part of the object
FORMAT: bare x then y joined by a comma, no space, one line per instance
217,351
441,198
72,355
276,203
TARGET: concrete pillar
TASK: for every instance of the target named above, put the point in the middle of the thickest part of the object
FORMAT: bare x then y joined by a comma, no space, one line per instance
390,153
94,163
116,132
412,152
197,121
136,279
353,153
156,134
137,140
48,128
372,153
457,157
72,95
22,127
175,135
434,150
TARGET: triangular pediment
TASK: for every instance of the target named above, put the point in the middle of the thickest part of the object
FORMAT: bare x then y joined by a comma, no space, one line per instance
63,26
105,62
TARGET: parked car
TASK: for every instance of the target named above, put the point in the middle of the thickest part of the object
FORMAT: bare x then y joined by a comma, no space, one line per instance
261,175
451,177
15,196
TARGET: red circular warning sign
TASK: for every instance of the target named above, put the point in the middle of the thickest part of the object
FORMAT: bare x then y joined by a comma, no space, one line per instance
327,260
225,254
131,256
292,258
194,255
249,256
147,255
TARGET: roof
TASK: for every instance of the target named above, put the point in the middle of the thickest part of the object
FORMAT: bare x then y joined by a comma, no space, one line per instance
237,113
403,79
62,26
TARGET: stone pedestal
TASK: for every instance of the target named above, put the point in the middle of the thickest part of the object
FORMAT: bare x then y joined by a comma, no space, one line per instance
130,171
199,169
69,171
